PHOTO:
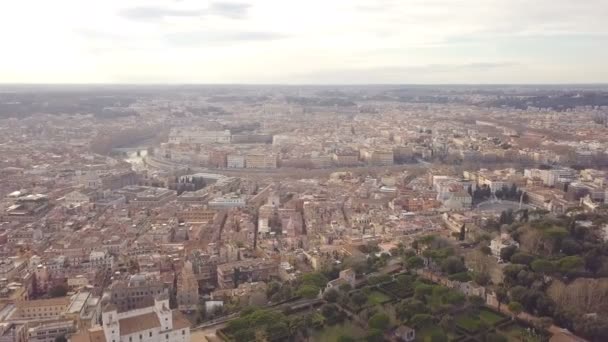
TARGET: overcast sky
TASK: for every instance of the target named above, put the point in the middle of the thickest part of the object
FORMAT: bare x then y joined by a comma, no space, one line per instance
305,41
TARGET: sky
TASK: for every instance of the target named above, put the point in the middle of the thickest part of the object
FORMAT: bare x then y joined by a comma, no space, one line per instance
304,42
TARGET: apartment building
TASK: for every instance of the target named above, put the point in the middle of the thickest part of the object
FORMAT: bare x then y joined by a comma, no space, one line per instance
42,308
229,275
261,161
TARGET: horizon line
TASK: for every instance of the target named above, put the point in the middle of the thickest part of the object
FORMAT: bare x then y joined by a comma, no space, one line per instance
172,84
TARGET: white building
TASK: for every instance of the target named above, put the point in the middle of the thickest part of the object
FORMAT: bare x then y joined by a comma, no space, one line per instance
227,202
235,161
155,323
100,259
500,242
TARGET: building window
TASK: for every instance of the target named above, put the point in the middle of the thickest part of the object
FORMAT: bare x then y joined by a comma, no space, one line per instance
140,336
130,339
183,332
150,334
167,336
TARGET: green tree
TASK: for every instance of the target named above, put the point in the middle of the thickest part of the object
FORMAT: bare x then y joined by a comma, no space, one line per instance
501,296
379,321
453,264
359,299
414,262
331,295
409,307
331,313
316,278
476,301
542,266
344,288
438,336
507,252
308,291
345,338
516,308
570,263
482,278
522,258
421,320
374,335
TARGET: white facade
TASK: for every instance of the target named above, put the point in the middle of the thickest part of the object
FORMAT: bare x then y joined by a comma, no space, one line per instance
500,242
227,202
235,161
100,259
152,324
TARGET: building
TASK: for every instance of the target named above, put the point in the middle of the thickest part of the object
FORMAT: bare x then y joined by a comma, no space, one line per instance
230,275
28,208
117,180
500,242
227,202
42,308
196,215
347,276
156,323
187,289
235,161
382,157
198,135
153,197
346,158
100,260
261,161
12,332
137,292
48,331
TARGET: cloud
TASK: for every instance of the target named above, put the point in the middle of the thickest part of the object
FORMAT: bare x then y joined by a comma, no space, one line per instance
217,37
154,13
233,10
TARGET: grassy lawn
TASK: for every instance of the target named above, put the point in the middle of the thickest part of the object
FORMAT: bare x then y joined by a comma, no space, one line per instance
471,321
398,290
332,333
377,297
490,317
433,301
468,322
424,334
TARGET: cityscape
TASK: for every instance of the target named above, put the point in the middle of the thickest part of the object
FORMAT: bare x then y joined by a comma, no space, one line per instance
242,213
304,171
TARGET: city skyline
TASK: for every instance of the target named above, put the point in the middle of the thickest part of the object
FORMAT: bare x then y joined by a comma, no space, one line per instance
273,42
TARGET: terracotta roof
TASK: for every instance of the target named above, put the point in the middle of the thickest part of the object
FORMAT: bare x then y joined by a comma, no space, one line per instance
180,321
138,323
44,302
92,335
